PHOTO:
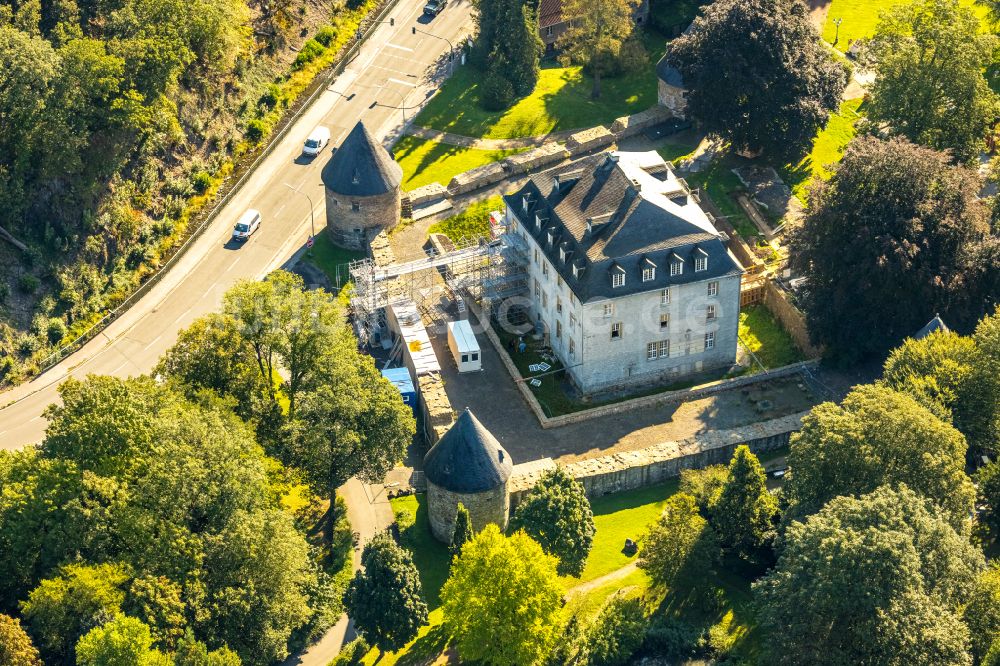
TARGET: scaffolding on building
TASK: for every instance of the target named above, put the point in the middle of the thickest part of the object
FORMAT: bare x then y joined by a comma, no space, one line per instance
487,270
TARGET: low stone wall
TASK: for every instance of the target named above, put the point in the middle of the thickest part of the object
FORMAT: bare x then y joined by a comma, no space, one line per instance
530,160
380,249
629,470
631,125
473,179
589,139
429,192
793,320
435,406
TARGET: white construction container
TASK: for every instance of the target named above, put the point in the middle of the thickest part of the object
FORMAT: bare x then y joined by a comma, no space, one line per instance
464,347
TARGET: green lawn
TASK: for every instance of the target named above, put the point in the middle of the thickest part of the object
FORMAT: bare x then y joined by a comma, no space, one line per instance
430,555
860,18
332,259
765,337
425,161
622,516
561,101
471,222
827,149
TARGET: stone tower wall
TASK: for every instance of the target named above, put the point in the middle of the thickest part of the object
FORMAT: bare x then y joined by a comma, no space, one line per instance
349,228
492,506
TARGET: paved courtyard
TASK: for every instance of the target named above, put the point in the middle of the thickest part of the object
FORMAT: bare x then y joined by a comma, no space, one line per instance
493,397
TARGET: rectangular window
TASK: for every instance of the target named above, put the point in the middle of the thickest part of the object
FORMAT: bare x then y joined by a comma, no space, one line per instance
545,300
663,346
709,341
617,279
710,313
713,288
538,290
465,358
676,268
572,320
545,269
609,309
355,206
664,297
664,320
700,264
558,305
652,352
572,347
648,274
475,356
559,329
559,281
536,256
548,31
616,331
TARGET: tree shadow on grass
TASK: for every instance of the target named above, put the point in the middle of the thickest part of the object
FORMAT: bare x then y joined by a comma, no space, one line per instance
426,649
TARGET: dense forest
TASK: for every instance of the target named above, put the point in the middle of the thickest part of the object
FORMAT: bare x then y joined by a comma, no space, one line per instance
118,119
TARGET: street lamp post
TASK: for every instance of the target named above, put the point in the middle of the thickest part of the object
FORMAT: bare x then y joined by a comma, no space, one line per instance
451,47
312,220
836,37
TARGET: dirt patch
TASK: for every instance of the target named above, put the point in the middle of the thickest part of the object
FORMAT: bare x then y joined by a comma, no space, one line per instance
818,9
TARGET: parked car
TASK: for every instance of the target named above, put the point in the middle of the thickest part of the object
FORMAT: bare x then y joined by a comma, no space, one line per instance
434,7
316,141
248,223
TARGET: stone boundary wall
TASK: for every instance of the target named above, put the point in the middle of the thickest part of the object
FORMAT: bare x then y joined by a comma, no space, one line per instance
627,126
587,140
430,192
435,407
629,470
790,317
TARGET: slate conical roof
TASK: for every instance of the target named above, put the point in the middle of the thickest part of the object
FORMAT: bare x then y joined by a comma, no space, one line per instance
468,459
936,324
361,167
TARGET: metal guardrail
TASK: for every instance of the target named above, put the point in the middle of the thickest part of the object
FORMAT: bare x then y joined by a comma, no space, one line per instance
319,84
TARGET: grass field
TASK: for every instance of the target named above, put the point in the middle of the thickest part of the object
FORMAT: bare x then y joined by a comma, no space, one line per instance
860,18
827,149
560,101
473,221
425,161
330,258
430,555
765,337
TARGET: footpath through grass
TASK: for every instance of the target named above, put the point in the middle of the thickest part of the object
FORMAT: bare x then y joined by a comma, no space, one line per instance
425,161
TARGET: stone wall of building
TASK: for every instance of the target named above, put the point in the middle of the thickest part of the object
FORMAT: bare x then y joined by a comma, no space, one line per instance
350,228
791,318
488,507
672,98
435,407
618,472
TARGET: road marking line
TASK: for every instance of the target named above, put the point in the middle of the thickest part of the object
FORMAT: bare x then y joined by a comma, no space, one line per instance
181,316
397,46
235,261
155,340
405,83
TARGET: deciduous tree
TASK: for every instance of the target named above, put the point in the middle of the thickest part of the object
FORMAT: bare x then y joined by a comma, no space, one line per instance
617,632
883,245
757,74
556,514
744,515
982,613
502,586
121,641
929,84
873,579
595,32
386,599
16,648
680,547
877,436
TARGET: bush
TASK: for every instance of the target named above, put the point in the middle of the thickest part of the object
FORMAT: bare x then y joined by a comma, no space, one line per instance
673,639
271,96
326,35
633,56
28,283
311,50
256,130
616,633
720,641
56,330
27,344
351,654
498,93
201,181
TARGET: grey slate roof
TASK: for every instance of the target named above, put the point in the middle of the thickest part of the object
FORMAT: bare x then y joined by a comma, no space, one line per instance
361,167
468,458
936,324
668,73
628,230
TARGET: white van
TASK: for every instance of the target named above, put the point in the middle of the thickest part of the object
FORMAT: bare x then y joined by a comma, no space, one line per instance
316,141
248,223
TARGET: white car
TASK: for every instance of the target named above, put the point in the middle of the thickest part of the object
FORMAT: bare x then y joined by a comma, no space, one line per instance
316,141
248,223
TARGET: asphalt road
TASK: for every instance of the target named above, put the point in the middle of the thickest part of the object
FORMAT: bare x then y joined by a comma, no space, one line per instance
395,68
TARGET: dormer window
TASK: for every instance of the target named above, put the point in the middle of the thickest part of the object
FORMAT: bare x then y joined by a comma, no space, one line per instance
648,274
676,265
538,222
551,236
524,203
590,226
700,260
617,276
562,255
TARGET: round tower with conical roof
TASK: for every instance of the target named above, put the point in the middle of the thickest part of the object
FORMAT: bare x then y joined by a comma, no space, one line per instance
467,466
362,184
